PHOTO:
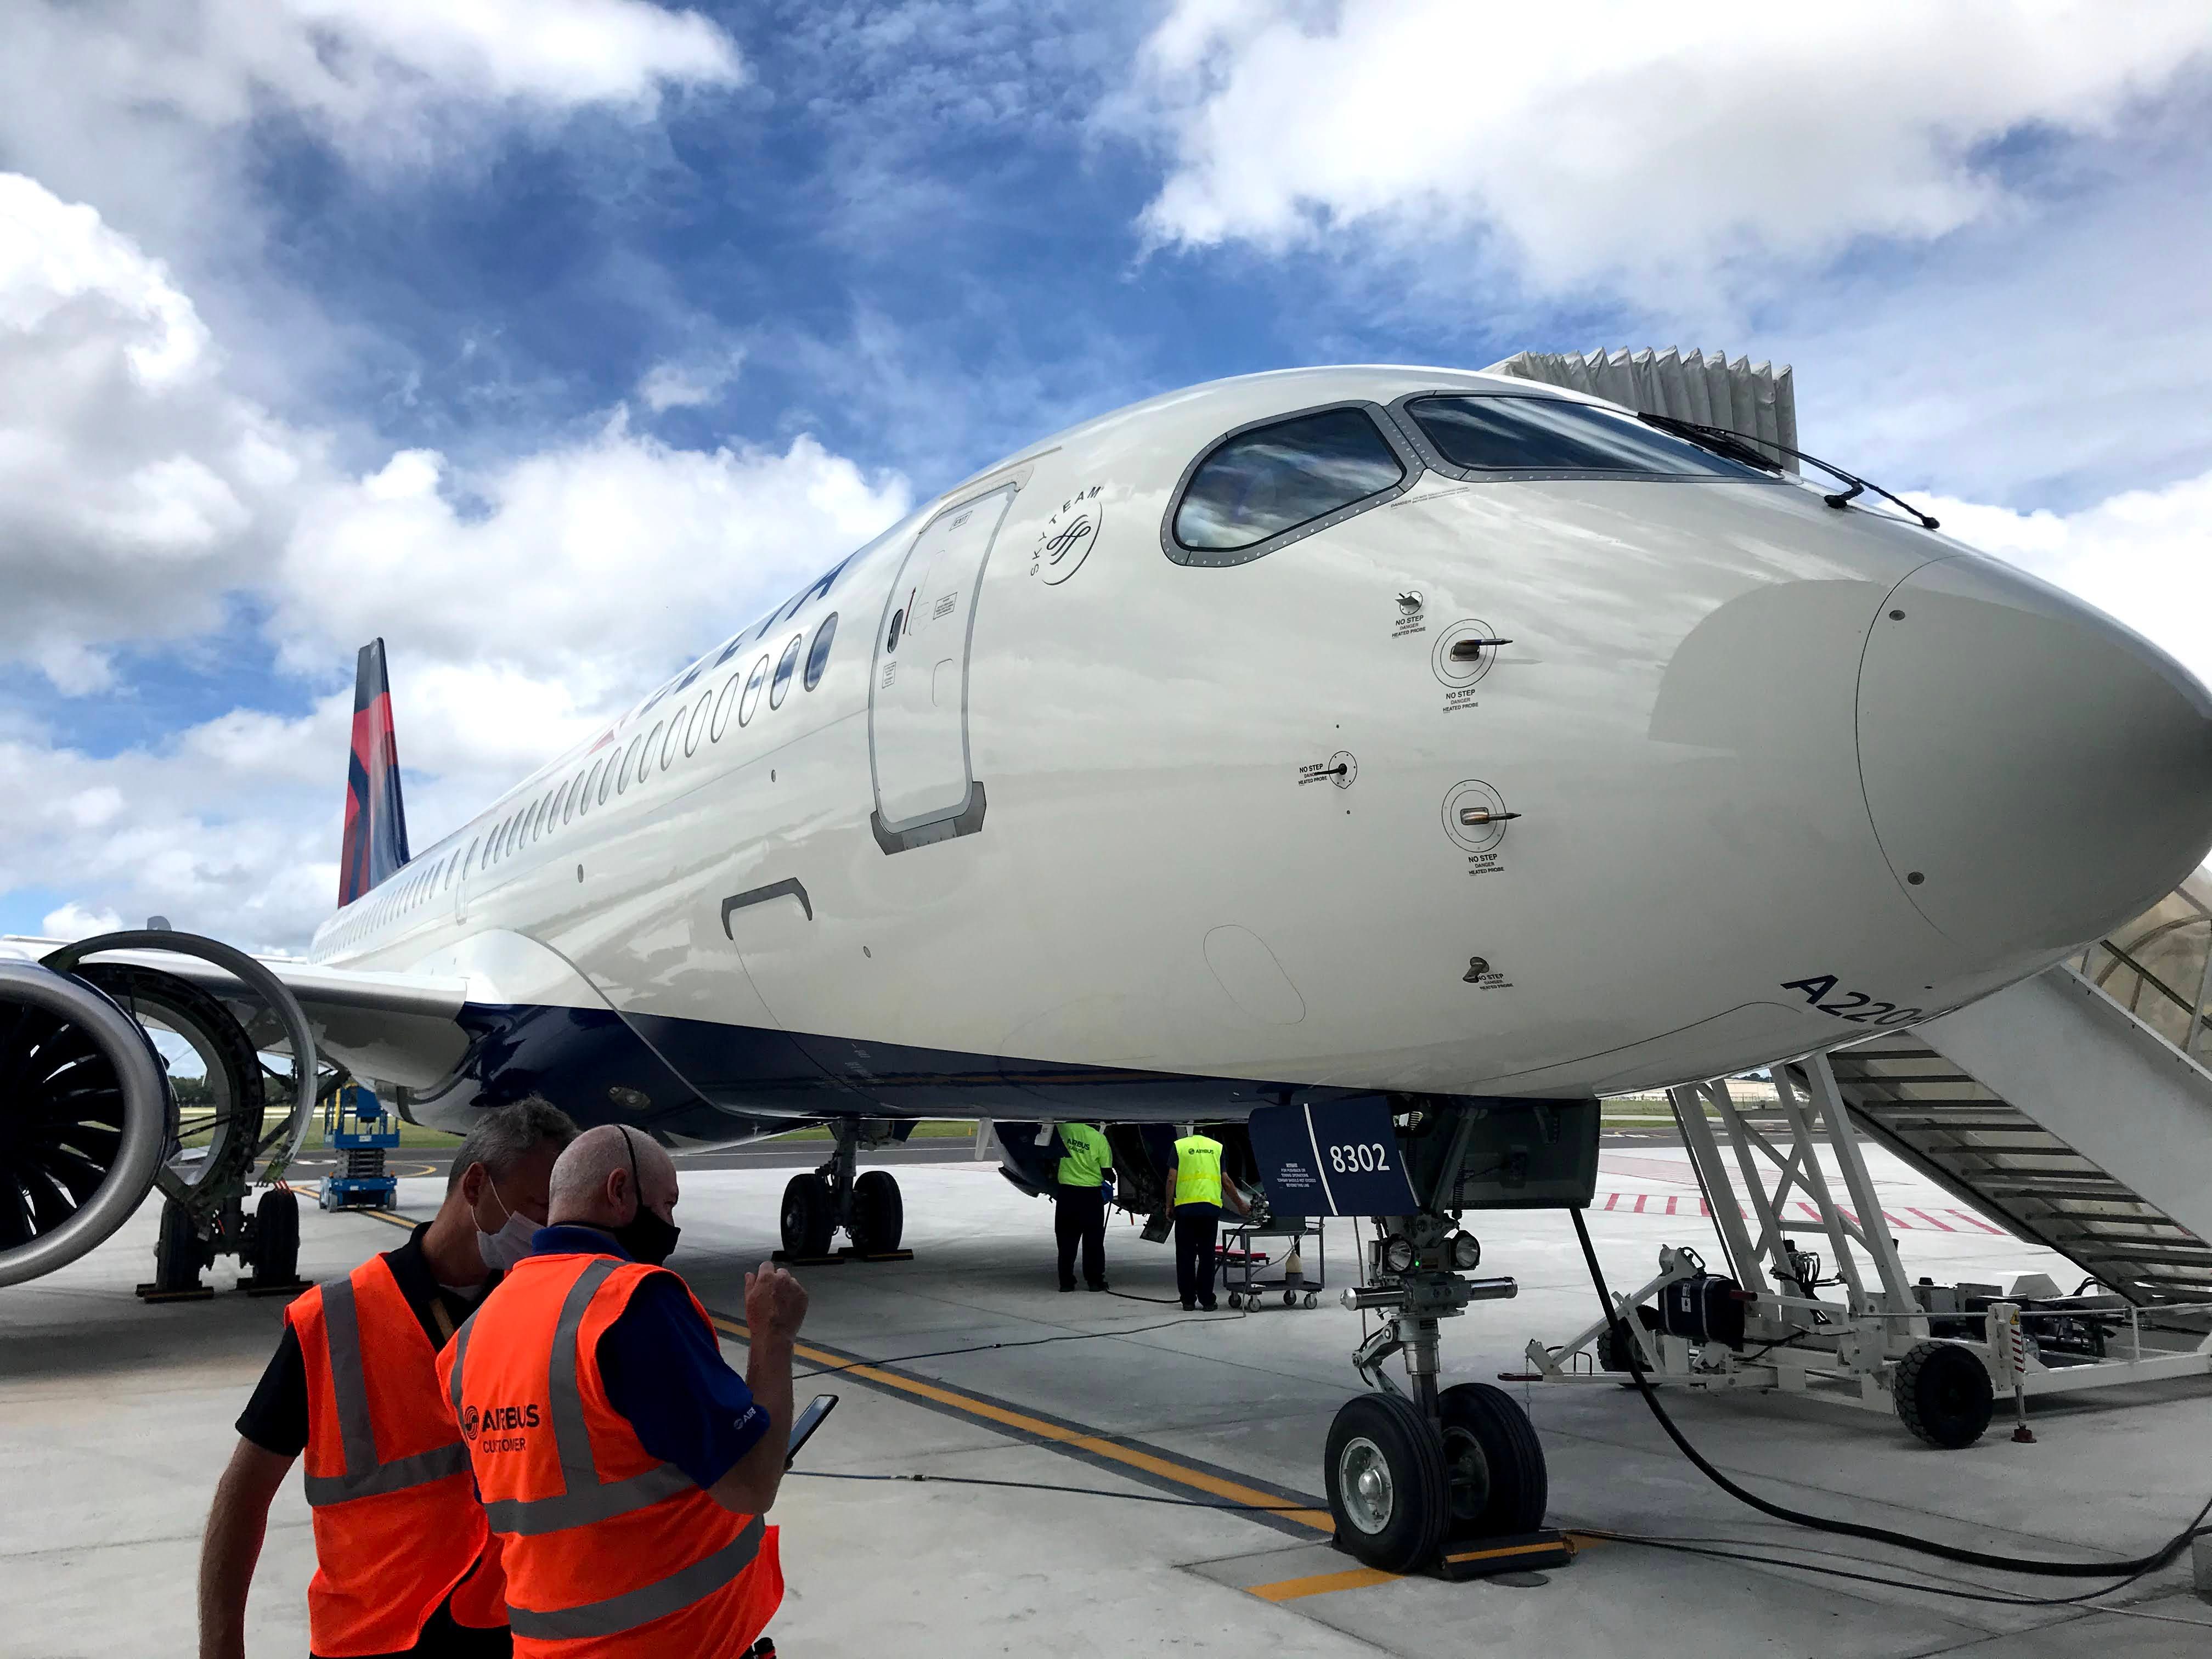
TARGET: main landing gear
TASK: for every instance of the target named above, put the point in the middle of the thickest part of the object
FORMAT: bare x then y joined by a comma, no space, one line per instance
865,1205
1419,1473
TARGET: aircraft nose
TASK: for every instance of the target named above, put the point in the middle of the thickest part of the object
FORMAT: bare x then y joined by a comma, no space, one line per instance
2036,773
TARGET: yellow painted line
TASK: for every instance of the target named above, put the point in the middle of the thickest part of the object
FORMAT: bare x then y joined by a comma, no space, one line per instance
1321,1583
1150,1463
1289,1590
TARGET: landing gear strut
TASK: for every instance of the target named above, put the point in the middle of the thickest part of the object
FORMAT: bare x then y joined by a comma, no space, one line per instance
867,1206
1412,1472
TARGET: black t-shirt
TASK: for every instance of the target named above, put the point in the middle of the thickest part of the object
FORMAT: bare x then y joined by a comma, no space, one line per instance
275,1418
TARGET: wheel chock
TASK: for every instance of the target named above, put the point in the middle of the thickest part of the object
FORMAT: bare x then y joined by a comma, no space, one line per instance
1515,1553
196,1293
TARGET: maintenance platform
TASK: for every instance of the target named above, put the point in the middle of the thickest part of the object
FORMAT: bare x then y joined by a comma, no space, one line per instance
115,1418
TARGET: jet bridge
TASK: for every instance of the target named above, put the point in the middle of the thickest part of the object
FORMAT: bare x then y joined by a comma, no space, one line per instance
2073,1107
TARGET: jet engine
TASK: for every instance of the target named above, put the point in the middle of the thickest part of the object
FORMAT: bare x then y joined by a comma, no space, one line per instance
86,1118
117,1077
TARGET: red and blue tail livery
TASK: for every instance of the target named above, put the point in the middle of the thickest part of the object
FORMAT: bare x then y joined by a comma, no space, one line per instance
375,818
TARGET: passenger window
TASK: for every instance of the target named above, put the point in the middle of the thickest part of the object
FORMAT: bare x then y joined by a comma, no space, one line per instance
750,701
675,740
1510,433
644,760
722,704
818,654
594,787
1260,484
624,767
695,733
784,666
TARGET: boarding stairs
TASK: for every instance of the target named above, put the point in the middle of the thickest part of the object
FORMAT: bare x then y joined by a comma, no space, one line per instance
2072,1108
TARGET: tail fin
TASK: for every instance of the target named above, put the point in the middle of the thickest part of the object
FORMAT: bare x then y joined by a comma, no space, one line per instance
375,820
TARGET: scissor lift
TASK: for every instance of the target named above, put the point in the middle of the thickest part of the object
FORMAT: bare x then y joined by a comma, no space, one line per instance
357,1125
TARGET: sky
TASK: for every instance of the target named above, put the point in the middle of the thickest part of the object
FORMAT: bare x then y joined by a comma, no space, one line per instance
550,339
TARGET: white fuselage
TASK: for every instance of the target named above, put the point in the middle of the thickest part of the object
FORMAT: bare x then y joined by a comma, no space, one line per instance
1220,830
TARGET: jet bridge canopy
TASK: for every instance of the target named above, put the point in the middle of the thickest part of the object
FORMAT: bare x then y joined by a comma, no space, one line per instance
1756,401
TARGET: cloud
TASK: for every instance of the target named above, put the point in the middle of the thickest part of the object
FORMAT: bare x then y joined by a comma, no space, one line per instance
222,838
2141,556
371,73
597,564
1587,145
690,382
72,921
523,600
184,120
136,488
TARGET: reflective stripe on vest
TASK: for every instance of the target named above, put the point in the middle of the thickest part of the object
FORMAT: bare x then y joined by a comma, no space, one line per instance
586,1498
364,1476
648,1602
1198,1171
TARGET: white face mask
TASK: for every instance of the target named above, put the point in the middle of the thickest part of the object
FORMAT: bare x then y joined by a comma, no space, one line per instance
511,1244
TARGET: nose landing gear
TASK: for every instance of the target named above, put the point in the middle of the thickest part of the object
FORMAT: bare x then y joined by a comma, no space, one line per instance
1453,1476
1410,1470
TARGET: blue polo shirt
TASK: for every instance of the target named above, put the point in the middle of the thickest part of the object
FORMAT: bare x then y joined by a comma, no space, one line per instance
663,1370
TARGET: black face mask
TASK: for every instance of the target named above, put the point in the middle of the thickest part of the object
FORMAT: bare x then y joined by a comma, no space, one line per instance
645,1234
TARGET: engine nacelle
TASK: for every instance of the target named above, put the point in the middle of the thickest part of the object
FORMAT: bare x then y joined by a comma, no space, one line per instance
85,1119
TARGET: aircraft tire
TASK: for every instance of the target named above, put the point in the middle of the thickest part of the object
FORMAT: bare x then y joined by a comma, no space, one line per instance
808,1219
277,1236
879,1212
179,1254
1493,1462
1385,1469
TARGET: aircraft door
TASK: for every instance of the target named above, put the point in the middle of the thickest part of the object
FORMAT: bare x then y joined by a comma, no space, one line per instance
918,697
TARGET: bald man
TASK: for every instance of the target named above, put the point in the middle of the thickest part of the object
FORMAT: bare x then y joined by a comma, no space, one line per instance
624,1465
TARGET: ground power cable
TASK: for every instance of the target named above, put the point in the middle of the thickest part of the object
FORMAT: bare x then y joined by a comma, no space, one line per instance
2126,1571
1684,1546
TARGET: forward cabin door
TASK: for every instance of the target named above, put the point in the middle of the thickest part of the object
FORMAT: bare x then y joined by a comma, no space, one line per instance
926,786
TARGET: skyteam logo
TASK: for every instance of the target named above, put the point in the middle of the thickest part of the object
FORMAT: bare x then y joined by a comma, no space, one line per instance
1067,536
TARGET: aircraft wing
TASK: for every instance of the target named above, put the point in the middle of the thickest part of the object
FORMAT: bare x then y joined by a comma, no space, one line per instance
392,1026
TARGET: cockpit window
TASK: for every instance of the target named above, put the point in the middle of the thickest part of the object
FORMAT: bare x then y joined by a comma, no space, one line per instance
1508,433
1259,484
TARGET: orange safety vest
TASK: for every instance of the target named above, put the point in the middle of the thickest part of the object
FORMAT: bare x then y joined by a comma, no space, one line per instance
397,1526
609,1552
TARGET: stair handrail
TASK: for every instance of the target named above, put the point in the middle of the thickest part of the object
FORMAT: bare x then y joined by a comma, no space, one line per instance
2155,983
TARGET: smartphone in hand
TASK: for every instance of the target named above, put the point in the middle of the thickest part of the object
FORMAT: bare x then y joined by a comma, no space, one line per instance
809,1420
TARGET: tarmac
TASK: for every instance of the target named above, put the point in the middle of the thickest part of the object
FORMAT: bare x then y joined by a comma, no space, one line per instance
116,1417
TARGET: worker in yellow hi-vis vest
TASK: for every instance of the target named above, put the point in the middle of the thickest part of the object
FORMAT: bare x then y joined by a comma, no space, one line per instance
1196,1190
1079,1213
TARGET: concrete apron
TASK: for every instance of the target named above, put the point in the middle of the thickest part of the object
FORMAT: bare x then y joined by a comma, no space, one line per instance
117,1420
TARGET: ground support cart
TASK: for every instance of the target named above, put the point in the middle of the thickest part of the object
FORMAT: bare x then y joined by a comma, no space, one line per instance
1941,1357
1260,1259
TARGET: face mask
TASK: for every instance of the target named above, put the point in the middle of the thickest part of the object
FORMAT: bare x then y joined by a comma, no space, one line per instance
503,1249
645,1234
